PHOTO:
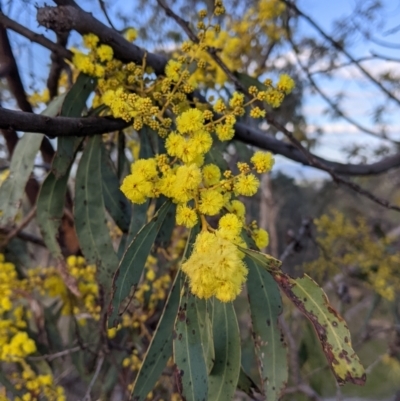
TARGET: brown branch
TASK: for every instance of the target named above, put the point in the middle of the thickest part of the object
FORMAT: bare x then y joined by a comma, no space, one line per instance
88,126
72,17
17,89
8,23
271,120
14,232
58,126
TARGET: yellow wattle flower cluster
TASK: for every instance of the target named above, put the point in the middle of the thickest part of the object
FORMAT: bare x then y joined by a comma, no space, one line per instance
15,344
215,267
93,63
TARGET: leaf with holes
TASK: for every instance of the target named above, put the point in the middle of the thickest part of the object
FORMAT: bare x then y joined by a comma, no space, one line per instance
224,376
265,308
90,220
131,267
330,327
116,203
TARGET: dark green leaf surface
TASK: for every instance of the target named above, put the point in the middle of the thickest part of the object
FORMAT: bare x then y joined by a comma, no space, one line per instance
206,331
265,308
89,212
50,206
247,385
188,351
22,162
73,106
116,203
160,348
132,264
225,373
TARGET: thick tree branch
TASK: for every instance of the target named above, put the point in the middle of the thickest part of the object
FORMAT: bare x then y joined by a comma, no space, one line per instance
66,18
87,126
58,126
8,23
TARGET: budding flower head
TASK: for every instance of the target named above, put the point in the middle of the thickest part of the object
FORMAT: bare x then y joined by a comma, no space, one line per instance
262,162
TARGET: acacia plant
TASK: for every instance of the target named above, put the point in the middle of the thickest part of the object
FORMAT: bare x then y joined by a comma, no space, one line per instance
143,213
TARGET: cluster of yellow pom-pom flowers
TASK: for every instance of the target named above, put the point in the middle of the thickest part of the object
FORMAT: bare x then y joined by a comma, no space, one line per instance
183,173
215,267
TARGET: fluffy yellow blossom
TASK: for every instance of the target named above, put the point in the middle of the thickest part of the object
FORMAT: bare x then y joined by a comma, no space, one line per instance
136,188
189,176
236,100
145,167
211,202
224,132
215,268
260,237
211,174
173,70
247,185
105,53
285,84
90,40
237,208
202,141
190,121
262,161
130,34
230,226
186,216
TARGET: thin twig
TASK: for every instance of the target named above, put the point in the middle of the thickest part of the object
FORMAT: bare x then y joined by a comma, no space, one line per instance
26,220
50,357
34,37
99,365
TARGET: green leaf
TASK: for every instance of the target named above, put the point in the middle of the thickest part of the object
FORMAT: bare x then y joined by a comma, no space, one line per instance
225,373
247,385
138,220
89,212
265,308
160,347
206,333
116,203
50,207
22,162
261,259
188,351
131,267
75,100
73,106
330,327
163,238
